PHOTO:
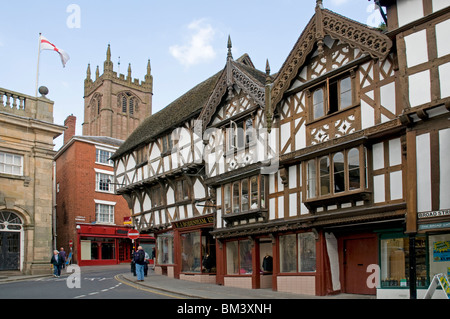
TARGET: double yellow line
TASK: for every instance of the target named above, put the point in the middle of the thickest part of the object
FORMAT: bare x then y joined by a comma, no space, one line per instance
126,282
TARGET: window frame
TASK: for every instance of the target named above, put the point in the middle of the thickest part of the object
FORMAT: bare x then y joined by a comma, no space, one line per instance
99,185
4,164
315,184
331,104
297,258
232,201
239,134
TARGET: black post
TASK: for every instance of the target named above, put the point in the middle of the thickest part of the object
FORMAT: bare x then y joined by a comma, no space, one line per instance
412,267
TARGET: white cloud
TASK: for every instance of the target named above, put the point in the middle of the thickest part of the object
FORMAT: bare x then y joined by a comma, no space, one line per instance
198,47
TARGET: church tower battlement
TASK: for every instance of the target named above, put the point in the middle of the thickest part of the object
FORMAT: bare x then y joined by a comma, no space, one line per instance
115,104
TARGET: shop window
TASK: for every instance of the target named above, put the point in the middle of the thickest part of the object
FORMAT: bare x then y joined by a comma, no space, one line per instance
298,253
227,198
239,257
197,253
164,249
394,254
439,254
190,252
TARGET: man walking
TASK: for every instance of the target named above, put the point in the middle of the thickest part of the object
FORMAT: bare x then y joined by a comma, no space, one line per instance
139,259
57,263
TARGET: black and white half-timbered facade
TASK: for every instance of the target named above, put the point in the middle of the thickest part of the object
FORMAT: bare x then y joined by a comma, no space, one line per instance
329,176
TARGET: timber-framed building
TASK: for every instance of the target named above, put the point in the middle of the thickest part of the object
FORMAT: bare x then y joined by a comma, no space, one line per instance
315,180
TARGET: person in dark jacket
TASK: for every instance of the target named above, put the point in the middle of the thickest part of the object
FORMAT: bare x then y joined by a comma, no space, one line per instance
57,262
139,259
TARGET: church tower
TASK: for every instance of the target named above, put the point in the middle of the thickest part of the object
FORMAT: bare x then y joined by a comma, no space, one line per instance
115,105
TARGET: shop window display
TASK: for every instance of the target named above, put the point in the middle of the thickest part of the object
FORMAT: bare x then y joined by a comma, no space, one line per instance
394,261
298,253
164,246
239,257
197,253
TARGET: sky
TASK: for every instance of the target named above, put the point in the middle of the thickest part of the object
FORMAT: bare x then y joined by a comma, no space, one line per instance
185,40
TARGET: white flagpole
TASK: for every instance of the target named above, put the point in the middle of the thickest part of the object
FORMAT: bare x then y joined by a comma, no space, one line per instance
39,57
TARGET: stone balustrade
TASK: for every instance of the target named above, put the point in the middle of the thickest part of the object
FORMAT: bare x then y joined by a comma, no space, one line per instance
21,104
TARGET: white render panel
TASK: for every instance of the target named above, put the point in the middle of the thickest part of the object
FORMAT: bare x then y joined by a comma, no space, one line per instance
419,88
378,189
442,37
272,209
416,48
396,185
120,167
137,207
293,176
387,94
439,4
408,11
378,156
444,76
170,196
199,190
367,115
292,204
300,136
444,156
395,152
285,135
147,203
423,172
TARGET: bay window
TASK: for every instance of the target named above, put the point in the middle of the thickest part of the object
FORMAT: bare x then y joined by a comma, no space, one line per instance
244,195
337,173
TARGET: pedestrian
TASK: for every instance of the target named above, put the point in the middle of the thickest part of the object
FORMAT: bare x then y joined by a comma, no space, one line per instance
146,259
139,259
154,257
57,262
62,254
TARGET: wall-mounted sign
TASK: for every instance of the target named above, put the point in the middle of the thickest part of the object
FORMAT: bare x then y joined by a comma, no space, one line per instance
437,213
194,222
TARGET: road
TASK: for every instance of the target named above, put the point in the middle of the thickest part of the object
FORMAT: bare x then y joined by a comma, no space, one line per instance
96,282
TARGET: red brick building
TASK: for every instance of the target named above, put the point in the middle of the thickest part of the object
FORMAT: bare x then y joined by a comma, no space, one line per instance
88,213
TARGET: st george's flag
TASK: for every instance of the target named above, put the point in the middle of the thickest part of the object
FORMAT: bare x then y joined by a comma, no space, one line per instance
44,44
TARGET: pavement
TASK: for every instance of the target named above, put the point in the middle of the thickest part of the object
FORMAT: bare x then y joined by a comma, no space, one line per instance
188,289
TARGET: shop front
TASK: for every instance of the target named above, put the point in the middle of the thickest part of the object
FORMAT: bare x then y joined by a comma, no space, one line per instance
187,251
104,245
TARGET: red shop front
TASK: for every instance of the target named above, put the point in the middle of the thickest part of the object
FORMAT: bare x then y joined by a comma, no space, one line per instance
105,245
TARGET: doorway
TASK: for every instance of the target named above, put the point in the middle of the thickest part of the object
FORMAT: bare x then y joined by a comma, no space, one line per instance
359,253
9,250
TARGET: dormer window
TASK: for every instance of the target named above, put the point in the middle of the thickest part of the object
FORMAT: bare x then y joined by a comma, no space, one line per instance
331,96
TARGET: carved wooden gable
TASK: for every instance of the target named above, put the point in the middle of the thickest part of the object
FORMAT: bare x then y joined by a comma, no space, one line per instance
236,79
327,23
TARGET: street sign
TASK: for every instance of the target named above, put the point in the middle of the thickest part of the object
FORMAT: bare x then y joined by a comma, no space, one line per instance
133,234
438,279
70,243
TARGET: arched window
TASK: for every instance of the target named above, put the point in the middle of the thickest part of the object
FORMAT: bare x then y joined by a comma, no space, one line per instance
128,103
10,221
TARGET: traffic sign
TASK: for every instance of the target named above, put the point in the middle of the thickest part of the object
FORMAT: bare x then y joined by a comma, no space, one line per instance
133,234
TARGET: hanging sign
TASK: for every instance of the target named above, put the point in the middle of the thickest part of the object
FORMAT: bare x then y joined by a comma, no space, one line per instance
439,279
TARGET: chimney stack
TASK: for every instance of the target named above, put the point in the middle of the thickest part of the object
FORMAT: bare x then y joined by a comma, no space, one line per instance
70,122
